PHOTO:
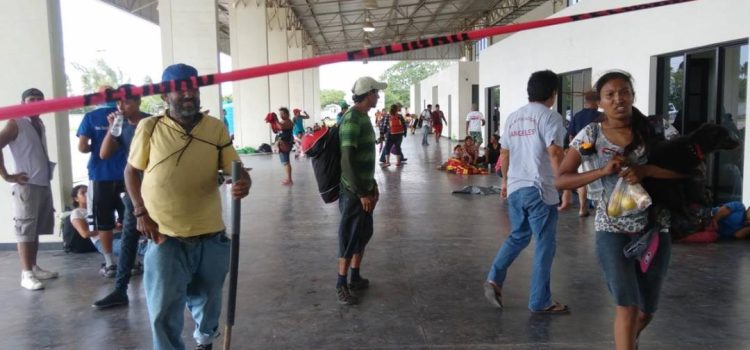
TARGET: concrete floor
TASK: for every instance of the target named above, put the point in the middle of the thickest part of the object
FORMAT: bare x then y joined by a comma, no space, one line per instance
426,262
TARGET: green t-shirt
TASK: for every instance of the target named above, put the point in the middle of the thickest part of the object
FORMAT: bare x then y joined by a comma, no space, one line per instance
356,131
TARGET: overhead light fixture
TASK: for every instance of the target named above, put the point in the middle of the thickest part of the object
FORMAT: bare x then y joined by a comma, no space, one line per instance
371,4
368,27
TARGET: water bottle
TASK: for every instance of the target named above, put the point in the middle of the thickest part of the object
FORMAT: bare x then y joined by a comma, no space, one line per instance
117,125
589,163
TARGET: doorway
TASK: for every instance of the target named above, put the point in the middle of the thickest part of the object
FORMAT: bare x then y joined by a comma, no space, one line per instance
708,85
493,110
450,116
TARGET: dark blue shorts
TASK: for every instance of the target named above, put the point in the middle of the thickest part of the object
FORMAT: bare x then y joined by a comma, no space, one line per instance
356,228
627,284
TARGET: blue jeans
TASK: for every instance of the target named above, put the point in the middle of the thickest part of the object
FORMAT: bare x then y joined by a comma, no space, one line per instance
129,247
529,215
180,272
425,134
391,141
118,246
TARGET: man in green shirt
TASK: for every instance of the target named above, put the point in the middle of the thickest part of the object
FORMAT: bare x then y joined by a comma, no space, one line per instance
359,192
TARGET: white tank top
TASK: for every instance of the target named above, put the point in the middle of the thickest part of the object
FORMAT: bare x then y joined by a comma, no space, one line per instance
30,153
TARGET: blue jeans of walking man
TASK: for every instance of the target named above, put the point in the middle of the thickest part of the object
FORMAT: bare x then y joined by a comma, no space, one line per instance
529,215
128,247
425,133
181,271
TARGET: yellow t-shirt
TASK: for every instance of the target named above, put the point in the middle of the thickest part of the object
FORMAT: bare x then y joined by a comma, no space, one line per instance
179,174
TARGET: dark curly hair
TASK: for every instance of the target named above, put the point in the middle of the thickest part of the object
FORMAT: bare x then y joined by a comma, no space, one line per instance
639,125
74,194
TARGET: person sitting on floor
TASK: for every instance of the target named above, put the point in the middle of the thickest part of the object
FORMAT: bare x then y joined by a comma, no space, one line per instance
728,221
461,163
471,150
78,219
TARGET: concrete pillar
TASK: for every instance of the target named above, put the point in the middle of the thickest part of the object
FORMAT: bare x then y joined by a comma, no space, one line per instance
296,78
415,95
247,23
308,86
189,34
277,52
316,91
35,61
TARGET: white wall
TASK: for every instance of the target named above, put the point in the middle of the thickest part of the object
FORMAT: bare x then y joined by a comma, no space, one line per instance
455,80
31,31
626,41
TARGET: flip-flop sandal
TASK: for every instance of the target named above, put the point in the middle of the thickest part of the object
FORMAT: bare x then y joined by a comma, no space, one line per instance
555,309
492,296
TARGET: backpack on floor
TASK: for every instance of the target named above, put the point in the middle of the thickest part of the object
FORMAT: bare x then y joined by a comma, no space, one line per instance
324,148
72,241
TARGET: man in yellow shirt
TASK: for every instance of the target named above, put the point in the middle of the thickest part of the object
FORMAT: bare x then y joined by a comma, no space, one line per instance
177,206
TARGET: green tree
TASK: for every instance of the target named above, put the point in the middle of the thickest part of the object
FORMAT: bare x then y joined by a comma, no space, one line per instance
401,76
151,104
331,96
99,75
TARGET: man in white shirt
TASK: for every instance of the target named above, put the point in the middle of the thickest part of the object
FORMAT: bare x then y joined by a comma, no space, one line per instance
532,149
426,119
32,193
474,123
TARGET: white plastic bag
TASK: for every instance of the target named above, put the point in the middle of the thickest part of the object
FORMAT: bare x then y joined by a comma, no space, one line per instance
627,199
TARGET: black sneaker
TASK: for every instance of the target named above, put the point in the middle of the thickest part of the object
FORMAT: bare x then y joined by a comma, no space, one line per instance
115,298
345,297
204,347
363,283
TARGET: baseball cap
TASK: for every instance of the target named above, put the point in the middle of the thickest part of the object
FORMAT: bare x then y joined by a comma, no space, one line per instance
343,104
364,85
129,86
179,71
31,92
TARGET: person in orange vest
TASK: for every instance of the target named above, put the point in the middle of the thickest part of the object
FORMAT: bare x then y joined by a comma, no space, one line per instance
393,131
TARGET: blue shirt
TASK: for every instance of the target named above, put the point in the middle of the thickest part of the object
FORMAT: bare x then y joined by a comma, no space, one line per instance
299,126
581,120
128,131
95,126
734,221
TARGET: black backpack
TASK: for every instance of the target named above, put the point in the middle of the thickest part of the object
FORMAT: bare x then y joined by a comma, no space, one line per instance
324,148
72,241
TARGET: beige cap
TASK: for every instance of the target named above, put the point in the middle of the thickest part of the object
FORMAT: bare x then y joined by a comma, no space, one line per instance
364,85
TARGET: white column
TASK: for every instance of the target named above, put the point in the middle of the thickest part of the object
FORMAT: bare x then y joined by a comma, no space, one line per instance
316,91
189,34
33,30
296,78
310,106
277,52
247,25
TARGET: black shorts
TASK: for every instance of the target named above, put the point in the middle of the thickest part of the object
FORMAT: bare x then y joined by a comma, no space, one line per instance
356,228
103,201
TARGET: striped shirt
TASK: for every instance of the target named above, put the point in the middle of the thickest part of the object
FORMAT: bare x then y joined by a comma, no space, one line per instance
356,131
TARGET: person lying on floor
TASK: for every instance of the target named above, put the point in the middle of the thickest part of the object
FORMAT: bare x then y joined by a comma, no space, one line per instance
78,219
728,221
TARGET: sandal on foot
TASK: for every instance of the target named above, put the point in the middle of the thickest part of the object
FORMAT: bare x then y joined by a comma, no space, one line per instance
555,309
287,182
493,294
